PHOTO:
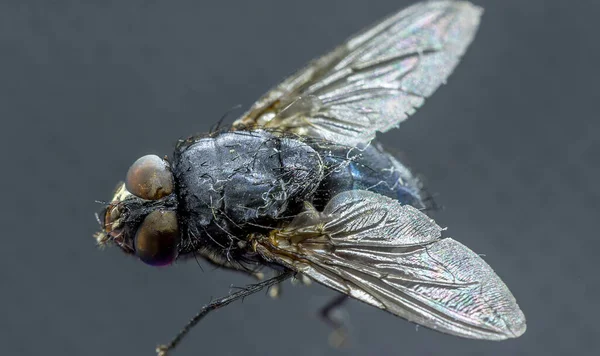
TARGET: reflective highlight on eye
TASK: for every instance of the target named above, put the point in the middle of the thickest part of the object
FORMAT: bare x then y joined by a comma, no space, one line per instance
157,238
149,178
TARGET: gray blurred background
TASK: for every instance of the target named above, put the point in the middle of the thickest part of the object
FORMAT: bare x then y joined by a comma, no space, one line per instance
510,147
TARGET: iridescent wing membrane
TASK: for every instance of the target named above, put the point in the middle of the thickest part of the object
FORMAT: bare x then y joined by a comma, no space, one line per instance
364,244
391,256
374,80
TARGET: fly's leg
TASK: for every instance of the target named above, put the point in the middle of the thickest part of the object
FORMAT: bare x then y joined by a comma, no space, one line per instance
162,350
338,336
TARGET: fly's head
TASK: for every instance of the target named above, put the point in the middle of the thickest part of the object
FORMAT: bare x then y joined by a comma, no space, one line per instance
141,218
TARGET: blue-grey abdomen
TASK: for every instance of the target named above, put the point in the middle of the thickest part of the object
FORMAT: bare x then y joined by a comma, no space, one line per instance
368,168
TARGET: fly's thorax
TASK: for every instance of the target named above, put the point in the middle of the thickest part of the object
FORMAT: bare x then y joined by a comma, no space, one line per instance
237,183
141,217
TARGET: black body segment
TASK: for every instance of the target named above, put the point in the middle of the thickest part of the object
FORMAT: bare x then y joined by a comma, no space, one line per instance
241,181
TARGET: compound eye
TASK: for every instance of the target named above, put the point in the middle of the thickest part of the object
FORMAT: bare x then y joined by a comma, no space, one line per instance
149,178
157,238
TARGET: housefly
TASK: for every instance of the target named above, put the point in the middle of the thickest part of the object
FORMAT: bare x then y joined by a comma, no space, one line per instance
297,183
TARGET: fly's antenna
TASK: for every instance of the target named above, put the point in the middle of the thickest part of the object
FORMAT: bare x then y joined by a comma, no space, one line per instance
217,126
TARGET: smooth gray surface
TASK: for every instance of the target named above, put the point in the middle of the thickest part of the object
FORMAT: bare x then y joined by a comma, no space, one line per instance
510,146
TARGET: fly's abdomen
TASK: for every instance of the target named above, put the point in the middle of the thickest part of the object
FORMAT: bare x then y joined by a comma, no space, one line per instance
370,168
240,181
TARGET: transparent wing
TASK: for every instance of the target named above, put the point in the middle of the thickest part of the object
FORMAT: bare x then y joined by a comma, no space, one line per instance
374,80
391,256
